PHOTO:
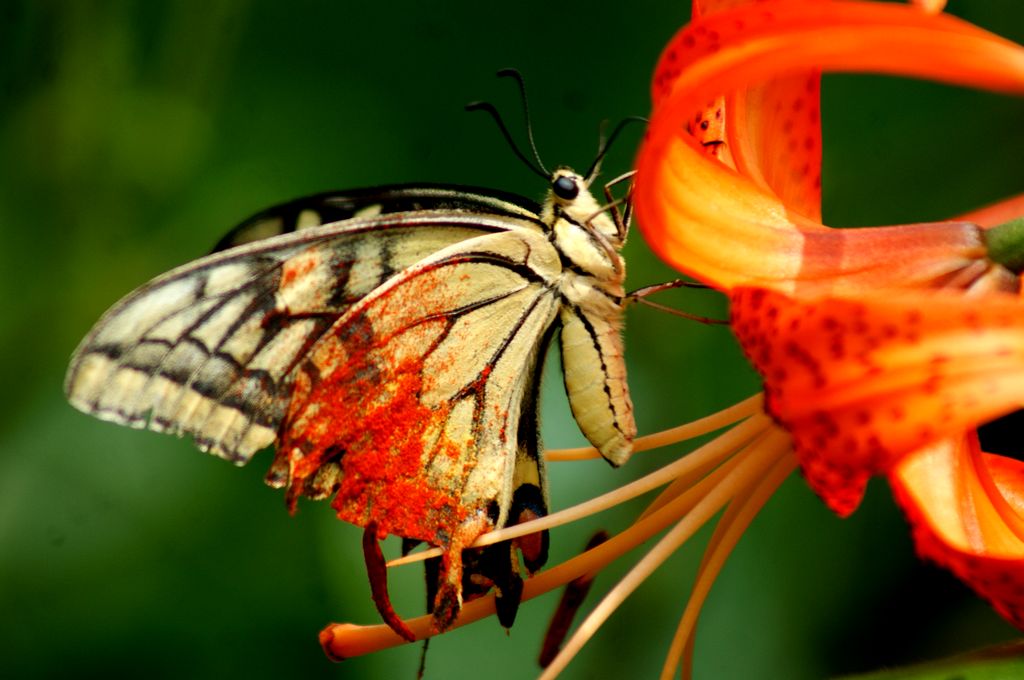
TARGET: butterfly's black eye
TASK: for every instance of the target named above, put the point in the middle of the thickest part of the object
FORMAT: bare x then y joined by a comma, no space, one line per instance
565,188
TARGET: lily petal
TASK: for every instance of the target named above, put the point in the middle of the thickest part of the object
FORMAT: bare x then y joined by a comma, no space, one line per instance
860,383
966,508
997,213
773,135
756,224
930,6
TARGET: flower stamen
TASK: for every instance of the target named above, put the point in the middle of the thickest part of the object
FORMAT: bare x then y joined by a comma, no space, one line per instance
688,468
760,425
734,522
754,464
739,460
674,435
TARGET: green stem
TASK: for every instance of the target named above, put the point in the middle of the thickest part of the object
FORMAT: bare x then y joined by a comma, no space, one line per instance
1006,244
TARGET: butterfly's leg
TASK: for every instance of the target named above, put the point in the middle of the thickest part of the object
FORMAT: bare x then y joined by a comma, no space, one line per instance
448,602
623,219
494,568
667,285
640,296
508,584
377,570
497,567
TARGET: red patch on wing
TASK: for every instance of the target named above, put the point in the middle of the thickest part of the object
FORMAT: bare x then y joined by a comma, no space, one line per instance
384,460
299,266
357,402
532,545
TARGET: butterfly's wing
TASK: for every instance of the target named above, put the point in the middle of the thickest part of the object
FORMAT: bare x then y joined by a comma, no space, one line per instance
171,354
208,349
387,356
329,207
497,566
411,404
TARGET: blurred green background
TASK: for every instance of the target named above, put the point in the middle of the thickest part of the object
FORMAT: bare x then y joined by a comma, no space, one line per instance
132,135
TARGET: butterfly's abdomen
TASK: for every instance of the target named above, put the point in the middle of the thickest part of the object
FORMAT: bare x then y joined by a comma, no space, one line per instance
595,380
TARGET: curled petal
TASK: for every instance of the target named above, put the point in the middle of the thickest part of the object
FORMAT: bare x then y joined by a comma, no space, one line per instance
752,224
997,213
770,132
862,382
776,139
965,508
930,6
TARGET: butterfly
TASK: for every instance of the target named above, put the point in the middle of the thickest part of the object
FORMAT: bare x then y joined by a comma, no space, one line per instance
388,343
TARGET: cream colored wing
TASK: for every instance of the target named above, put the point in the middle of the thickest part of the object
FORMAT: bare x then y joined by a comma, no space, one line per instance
411,406
209,349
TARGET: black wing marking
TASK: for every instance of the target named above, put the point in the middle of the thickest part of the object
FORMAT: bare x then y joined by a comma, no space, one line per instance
335,206
209,348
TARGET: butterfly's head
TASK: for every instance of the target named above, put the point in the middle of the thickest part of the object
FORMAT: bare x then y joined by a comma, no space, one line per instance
571,196
566,186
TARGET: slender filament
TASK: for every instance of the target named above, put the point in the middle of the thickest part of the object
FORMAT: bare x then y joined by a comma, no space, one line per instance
674,435
754,465
709,455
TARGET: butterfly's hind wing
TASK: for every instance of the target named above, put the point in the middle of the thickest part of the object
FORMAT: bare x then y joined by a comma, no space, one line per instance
413,404
497,566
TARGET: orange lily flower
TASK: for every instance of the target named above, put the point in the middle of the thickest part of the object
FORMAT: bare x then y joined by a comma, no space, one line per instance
896,385
728,190
757,150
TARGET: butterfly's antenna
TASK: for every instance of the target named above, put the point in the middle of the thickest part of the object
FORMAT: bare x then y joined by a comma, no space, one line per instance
605,145
489,108
602,127
514,73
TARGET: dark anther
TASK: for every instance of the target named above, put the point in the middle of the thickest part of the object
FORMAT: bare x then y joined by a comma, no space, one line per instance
377,570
